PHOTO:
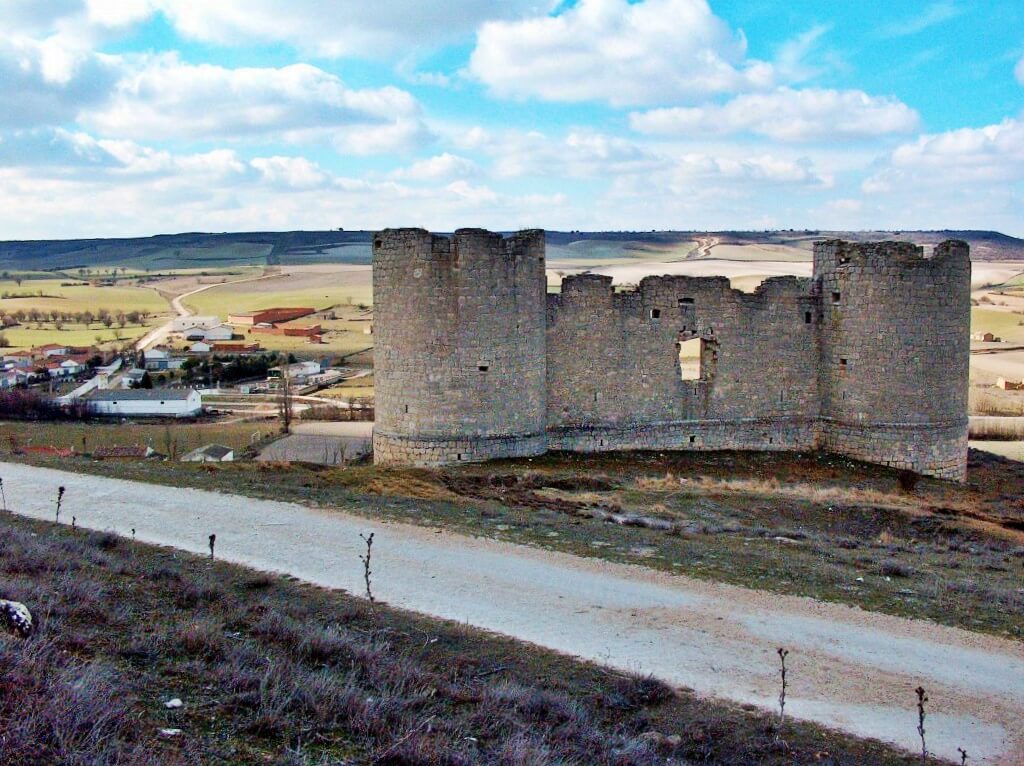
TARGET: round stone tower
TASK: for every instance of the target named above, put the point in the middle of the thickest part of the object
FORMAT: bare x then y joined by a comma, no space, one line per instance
459,353
895,345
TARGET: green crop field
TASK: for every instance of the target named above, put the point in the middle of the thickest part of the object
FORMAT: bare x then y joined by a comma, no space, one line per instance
1004,324
47,295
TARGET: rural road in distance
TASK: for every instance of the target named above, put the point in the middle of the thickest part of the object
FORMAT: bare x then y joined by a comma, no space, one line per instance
848,668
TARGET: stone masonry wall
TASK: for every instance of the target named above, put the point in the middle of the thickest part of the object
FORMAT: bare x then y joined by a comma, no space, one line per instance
475,361
613,359
895,352
460,360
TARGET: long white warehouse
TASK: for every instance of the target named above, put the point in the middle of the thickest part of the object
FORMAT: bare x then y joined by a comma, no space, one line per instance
151,402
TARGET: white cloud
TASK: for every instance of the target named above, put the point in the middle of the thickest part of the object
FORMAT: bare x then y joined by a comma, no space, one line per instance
580,154
1019,71
967,178
341,27
991,153
123,188
611,50
44,84
765,168
786,115
934,14
165,98
441,166
291,172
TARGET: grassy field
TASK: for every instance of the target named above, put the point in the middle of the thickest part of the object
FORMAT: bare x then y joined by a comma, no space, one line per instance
353,388
1003,324
807,525
84,437
49,295
272,671
319,287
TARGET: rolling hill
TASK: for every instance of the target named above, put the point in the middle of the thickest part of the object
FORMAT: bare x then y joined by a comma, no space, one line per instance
204,250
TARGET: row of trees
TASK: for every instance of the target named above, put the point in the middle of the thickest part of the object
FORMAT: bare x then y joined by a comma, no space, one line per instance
103,317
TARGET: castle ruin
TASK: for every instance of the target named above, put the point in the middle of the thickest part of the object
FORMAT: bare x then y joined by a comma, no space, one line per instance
475,360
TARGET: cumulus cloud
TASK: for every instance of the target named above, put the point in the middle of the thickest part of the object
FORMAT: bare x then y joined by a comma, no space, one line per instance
105,187
341,27
967,178
611,50
165,98
44,84
969,155
785,115
441,166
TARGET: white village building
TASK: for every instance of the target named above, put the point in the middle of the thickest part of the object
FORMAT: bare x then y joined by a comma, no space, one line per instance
146,402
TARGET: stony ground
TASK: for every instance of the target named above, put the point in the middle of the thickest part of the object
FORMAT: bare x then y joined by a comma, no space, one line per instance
849,668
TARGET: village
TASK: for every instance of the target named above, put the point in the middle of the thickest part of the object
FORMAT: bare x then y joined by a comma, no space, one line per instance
205,369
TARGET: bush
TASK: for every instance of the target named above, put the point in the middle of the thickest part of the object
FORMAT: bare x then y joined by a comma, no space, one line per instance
894,568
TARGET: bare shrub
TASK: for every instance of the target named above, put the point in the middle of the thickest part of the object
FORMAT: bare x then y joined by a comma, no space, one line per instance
894,568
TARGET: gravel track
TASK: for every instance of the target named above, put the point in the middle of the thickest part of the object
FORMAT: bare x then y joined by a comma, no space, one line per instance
849,669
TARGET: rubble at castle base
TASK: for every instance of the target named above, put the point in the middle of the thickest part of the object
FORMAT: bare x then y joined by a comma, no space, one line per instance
475,361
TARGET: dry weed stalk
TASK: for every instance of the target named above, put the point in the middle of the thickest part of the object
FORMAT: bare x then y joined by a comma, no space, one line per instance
213,541
783,653
60,497
3,495
366,564
922,698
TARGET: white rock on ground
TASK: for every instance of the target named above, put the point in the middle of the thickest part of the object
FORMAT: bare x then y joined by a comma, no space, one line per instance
848,669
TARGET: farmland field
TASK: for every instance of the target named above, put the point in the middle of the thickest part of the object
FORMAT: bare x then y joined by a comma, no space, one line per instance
185,436
49,295
319,286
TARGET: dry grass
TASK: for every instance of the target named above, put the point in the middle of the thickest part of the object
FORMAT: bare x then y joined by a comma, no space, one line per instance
993,401
997,428
271,671
771,488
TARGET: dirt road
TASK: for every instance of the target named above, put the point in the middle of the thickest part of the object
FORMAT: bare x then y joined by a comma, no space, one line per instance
848,669
158,335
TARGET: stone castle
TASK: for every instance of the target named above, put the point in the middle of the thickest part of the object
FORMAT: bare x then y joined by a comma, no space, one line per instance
475,360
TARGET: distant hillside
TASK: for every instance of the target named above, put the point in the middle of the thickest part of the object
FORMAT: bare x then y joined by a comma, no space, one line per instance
192,250
199,250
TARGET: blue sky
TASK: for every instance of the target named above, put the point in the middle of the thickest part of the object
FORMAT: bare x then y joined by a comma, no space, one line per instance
130,117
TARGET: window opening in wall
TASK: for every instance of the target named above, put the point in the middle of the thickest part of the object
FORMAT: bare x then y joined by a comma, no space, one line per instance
376,244
835,298
686,301
407,409
807,317
690,352
842,364
483,367
655,313
693,440
595,396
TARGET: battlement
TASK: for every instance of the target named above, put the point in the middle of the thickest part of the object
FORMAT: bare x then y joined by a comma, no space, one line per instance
888,257
475,360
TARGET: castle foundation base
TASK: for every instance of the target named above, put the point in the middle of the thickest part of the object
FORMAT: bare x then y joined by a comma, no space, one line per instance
938,450
435,451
